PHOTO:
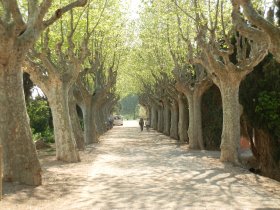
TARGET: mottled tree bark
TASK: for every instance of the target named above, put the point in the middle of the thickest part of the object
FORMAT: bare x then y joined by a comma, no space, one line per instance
98,120
66,148
149,113
154,117
227,69
19,154
99,116
268,150
174,120
160,120
90,133
166,117
77,130
1,171
16,38
268,32
194,95
183,119
231,122
56,86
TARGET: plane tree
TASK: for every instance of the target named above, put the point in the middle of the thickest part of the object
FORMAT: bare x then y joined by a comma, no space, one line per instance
94,86
228,58
191,79
21,24
99,75
257,28
55,71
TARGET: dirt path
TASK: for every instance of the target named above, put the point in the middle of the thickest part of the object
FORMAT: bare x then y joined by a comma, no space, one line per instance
134,170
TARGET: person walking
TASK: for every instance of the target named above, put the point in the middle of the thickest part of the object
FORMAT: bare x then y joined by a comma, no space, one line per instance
141,123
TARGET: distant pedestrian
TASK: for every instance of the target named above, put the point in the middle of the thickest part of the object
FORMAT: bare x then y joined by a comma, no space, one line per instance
141,123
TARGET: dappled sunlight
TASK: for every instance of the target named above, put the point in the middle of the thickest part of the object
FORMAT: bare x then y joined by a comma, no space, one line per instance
130,169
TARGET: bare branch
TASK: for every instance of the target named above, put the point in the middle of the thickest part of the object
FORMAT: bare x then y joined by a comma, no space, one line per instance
59,12
186,13
99,19
245,29
32,8
254,17
12,7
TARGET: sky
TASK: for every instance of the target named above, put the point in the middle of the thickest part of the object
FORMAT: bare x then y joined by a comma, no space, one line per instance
133,8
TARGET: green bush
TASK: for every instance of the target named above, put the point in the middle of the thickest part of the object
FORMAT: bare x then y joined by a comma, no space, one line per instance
268,110
260,96
40,119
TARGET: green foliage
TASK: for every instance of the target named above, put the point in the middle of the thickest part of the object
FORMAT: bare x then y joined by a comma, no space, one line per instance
268,110
129,106
47,135
40,119
260,96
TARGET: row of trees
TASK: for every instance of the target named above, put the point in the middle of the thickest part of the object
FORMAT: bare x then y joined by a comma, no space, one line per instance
189,46
180,49
74,60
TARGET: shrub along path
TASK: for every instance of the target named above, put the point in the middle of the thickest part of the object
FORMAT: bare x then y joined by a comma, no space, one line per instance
130,169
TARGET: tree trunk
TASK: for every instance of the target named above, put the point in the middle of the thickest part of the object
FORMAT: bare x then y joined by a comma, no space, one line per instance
231,122
103,117
160,120
268,150
198,120
183,119
150,113
174,121
1,171
195,123
77,130
97,119
19,154
89,124
166,118
154,118
191,132
102,121
66,148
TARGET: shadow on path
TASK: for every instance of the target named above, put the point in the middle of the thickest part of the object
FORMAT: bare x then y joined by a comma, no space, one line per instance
130,169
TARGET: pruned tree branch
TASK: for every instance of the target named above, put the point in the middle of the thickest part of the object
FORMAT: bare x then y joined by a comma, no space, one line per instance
59,12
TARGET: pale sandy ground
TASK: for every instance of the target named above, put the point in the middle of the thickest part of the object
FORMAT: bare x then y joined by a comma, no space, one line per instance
134,170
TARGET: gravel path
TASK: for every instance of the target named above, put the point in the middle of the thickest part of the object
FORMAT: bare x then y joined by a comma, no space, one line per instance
143,170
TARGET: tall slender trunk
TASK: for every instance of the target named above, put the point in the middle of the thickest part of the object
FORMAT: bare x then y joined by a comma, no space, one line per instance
150,113
89,124
174,120
97,119
160,120
195,123
268,148
66,148
19,154
1,171
154,118
183,119
198,120
77,130
103,117
191,120
231,122
166,118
